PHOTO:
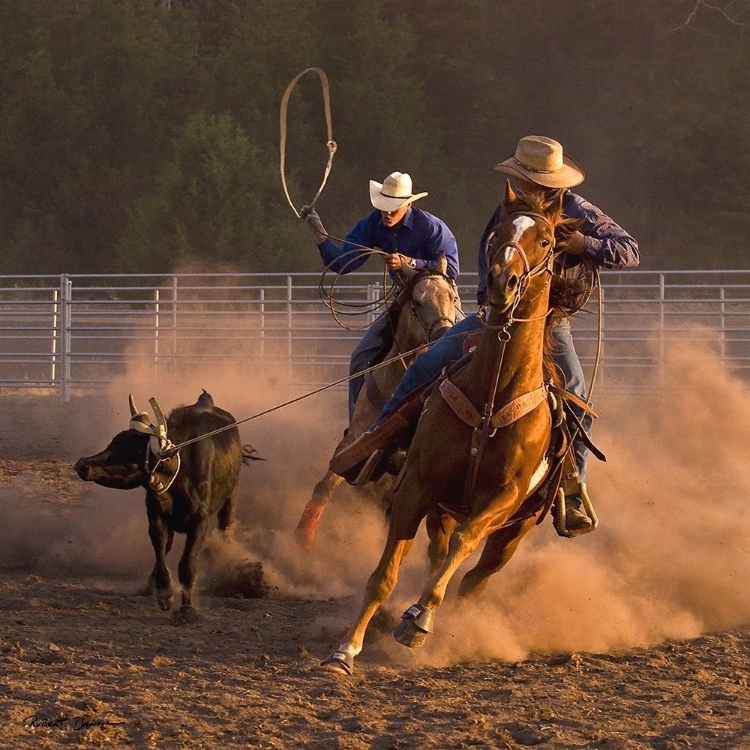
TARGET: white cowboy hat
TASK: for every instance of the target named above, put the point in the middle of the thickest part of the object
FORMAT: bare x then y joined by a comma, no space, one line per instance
541,161
393,193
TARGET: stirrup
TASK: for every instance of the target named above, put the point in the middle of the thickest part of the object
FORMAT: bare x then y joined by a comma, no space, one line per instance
560,509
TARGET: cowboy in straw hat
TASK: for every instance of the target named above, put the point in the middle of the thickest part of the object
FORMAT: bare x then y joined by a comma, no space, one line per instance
541,161
409,236
537,164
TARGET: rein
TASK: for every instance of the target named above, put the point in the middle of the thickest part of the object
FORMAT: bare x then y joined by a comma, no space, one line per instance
524,404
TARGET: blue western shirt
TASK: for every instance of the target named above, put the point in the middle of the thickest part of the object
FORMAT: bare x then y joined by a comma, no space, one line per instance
605,243
419,235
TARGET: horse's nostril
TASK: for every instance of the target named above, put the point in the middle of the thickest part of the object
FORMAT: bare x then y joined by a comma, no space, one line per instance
513,282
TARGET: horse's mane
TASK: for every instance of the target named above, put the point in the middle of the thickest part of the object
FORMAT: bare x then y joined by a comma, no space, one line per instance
572,278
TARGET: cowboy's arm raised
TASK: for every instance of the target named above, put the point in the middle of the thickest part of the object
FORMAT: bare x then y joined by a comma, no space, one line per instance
344,259
600,240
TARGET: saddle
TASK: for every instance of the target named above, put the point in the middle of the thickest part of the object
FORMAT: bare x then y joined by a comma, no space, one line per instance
382,450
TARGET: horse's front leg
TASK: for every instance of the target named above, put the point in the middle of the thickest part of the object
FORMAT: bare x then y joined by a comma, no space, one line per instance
417,622
379,587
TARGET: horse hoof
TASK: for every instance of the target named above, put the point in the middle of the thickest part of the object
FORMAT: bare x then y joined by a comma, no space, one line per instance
408,634
339,662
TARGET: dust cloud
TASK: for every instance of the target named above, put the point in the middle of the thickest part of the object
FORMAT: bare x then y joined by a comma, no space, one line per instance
670,560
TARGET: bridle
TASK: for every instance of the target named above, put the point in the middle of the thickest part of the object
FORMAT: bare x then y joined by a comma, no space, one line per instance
407,293
485,425
544,267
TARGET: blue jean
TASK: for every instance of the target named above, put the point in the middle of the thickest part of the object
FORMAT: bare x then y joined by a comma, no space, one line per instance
377,337
449,349
566,357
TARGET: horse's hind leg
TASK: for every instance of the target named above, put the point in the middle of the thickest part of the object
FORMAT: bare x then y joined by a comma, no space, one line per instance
308,522
498,550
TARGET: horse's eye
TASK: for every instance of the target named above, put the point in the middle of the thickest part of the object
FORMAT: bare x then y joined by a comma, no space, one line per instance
545,243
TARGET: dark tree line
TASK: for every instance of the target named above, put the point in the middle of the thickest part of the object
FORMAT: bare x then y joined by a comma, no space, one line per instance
142,136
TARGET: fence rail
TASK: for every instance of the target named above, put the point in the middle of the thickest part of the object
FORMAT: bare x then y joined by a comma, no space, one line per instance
79,331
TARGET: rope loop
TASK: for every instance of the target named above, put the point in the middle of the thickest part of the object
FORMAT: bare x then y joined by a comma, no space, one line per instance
330,143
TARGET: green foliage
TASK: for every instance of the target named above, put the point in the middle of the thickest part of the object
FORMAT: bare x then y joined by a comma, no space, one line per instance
214,205
144,136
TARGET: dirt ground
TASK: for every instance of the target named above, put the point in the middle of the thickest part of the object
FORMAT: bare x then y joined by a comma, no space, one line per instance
636,636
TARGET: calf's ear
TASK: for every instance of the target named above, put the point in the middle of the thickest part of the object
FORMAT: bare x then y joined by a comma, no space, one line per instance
133,408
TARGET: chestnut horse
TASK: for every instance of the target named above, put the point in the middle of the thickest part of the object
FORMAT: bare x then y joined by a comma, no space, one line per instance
477,481
429,306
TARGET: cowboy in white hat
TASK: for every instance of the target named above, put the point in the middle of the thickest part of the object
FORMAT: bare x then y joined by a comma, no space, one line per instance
538,163
408,235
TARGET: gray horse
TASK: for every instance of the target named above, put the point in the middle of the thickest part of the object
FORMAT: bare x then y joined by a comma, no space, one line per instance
428,306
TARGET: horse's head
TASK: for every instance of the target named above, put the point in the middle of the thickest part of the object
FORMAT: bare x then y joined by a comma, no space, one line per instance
520,247
433,298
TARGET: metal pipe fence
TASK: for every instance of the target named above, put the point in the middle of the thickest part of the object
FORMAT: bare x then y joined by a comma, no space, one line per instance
77,332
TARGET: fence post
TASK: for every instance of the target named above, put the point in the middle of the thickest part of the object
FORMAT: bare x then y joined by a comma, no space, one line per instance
262,299
722,328
289,326
55,318
374,292
66,299
662,301
174,323
156,333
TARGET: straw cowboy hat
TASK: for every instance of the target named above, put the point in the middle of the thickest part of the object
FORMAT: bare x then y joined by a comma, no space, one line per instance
541,161
393,193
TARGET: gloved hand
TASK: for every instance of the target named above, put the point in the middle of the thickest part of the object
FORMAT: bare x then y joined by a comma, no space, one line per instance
313,224
574,244
396,261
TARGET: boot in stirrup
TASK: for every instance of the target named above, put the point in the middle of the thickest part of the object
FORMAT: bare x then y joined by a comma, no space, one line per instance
574,511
